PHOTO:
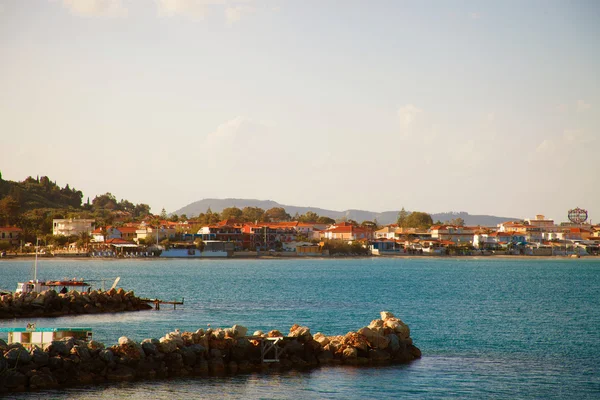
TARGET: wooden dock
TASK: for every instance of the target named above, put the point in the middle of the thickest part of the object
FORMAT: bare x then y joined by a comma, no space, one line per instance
158,302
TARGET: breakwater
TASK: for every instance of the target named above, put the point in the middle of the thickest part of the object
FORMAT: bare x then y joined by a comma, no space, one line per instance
70,362
52,304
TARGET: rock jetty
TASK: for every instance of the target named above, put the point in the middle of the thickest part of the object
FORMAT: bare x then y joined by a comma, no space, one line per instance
51,304
70,362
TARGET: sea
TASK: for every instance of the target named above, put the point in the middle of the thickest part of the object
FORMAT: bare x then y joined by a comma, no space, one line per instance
488,328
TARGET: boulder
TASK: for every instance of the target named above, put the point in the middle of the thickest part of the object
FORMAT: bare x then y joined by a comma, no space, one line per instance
3,363
176,337
394,343
82,352
239,331
42,381
301,332
350,353
386,315
59,347
150,348
167,346
322,339
39,357
121,374
95,346
189,356
377,326
17,356
106,355
14,380
357,341
398,327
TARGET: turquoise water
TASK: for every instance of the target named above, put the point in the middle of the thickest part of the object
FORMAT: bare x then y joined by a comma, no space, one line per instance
488,328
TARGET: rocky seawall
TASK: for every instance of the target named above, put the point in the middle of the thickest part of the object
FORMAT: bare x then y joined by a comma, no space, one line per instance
70,362
52,304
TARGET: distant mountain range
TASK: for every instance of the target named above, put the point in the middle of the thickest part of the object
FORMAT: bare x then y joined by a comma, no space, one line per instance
383,218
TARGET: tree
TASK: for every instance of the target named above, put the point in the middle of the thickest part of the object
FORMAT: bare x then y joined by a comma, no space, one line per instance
402,216
9,210
369,224
231,213
418,219
277,214
252,214
309,216
141,210
105,201
456,222
325,220
163,214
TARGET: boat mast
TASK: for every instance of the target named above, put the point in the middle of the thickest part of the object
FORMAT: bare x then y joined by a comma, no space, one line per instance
37,241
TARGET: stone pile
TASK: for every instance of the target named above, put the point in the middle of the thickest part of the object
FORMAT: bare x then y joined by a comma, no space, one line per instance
52,304
71,362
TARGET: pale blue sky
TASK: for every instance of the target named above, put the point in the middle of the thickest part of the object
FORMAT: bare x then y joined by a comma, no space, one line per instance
486,107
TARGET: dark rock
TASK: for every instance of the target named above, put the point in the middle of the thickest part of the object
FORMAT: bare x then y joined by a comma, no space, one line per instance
106,355
13,380
188,355
39,357
17,356
42,381
121,374
149,348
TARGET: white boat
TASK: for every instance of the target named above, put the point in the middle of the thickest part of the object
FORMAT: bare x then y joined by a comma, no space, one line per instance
61,286
42,337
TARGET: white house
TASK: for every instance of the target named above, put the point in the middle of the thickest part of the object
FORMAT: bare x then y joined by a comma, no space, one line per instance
71,226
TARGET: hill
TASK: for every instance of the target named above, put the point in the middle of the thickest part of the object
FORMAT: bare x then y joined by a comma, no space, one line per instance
386,217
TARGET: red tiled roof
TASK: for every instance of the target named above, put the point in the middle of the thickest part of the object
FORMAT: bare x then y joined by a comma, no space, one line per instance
11,229
127,229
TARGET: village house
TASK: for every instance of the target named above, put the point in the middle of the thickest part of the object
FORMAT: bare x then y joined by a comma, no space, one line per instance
457,234
158,232
10,235
225,231
387,232
72,226
347,231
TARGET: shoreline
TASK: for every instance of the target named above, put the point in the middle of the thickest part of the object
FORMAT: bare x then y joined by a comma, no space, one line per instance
276,257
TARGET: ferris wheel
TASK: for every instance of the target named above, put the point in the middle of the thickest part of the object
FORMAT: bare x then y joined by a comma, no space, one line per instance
578,215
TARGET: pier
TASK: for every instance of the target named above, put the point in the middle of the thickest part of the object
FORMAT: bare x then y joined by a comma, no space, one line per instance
158,302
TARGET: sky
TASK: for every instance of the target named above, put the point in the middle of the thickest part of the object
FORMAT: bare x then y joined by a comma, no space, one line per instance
481,106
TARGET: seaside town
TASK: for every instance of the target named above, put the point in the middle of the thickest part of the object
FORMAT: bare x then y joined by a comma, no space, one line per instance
39,217
191,238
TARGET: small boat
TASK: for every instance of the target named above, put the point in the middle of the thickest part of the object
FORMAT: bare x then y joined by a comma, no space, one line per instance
61,286
42,337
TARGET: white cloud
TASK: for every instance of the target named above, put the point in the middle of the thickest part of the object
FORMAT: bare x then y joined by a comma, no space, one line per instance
234,14
408,115
546,147
96,8
582,106
240,135
195,9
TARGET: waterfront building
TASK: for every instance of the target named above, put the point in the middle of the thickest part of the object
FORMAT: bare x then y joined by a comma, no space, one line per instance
72,226
347,231
10,235
457,234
